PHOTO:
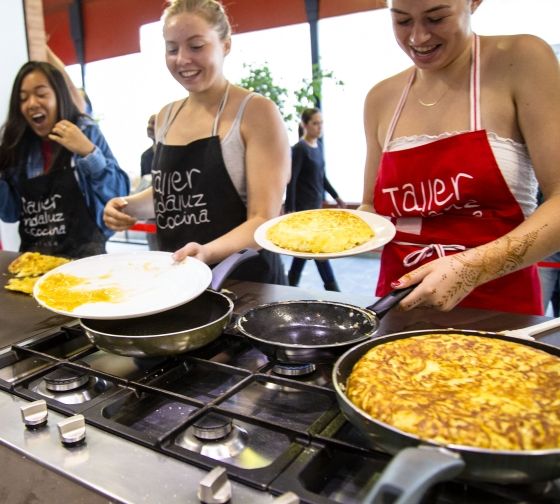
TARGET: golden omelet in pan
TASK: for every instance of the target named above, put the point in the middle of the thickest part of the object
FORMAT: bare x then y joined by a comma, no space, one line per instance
320,231
458,389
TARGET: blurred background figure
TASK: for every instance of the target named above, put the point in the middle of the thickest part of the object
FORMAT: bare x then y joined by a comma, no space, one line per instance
147,157
307,187
56,169
550,282
550,279
146,161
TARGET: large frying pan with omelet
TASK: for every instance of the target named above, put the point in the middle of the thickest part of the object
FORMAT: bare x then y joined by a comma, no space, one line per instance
313,331
419,464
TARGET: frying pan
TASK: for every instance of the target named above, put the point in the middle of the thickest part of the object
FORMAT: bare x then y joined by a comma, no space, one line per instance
171,332
418,463
310,331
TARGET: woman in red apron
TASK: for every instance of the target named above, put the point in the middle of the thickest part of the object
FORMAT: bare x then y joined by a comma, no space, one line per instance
222,160
448,161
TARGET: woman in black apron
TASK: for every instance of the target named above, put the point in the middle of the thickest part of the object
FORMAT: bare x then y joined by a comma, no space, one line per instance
222,159
56,167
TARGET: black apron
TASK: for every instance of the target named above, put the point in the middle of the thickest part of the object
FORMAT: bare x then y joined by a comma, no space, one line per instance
55,219
195,200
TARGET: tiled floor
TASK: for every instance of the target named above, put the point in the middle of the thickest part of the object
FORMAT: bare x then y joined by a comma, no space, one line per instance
356,275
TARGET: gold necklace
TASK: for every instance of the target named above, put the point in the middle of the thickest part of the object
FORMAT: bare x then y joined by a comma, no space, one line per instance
430,104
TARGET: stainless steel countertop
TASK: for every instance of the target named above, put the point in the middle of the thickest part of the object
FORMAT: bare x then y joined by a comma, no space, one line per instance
27,453
20,315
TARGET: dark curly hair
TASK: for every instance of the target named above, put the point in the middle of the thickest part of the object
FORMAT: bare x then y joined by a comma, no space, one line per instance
16,134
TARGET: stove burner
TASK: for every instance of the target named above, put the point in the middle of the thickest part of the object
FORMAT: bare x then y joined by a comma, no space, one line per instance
294,369
214,436
212,427
64,379
69,386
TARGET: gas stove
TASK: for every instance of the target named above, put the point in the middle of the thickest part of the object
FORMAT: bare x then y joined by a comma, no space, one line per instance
197,427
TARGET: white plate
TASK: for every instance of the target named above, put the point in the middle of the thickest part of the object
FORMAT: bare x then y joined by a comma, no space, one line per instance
151,281
384,232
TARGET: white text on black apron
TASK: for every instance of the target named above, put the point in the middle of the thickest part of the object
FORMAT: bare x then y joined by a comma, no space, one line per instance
41,218
177,205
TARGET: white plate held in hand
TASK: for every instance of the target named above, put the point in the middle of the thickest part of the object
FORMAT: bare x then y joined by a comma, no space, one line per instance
150,282
383,228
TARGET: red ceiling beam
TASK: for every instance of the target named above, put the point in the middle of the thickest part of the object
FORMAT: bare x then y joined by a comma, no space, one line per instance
111,27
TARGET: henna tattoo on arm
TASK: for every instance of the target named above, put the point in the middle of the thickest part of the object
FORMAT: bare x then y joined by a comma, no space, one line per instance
498,258
486,263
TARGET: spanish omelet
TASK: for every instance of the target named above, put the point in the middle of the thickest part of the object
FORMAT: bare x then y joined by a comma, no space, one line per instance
34,264
461,389
24,284
320,231
28,268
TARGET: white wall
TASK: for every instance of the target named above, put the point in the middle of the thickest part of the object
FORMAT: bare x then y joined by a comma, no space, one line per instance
13,40
362,51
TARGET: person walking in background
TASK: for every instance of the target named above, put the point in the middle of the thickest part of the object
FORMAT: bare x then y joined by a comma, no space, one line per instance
146,162
222,159
147,158
307,186
57,171
455,152
550,278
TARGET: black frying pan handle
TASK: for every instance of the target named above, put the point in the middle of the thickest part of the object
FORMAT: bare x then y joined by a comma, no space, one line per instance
221,271
412,472
383,305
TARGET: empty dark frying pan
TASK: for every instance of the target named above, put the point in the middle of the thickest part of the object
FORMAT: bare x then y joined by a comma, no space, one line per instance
309,331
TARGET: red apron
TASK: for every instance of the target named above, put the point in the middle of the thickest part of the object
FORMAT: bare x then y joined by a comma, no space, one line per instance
446,196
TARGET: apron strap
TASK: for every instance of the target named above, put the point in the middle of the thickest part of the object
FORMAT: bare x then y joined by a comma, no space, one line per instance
168,120
475,121
220,110
427,251
398,110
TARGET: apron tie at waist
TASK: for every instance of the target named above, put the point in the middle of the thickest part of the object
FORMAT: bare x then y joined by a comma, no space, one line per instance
428,251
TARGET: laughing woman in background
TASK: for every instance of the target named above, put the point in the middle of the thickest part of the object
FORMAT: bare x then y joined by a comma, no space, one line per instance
56,170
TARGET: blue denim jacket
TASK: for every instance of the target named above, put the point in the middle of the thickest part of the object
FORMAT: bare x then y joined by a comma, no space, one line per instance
98,175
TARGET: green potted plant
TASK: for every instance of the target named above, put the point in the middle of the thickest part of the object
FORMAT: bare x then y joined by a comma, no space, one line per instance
260,80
